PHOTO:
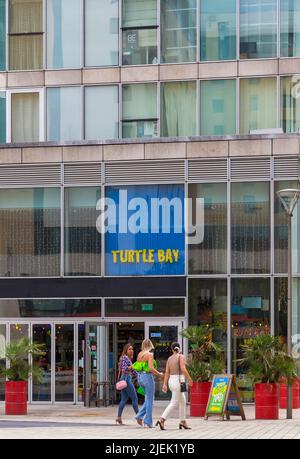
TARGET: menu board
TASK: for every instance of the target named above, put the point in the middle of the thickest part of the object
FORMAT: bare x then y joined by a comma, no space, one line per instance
224,398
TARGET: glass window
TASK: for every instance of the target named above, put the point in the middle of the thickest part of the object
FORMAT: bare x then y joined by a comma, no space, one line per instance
208,306
64,114
258,104
139,117
289,104
218,30
179,31
145,307
51,308
2,35
139,32
178,109
258,29
30,232
289,28
2,360
281,231
25,117
101,112
138,13
218,107
250,315
250,230
281,306
25,34
82,240
101,33
210,257
63,34
2,117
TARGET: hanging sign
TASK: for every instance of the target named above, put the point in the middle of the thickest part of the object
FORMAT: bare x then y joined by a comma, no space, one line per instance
224,398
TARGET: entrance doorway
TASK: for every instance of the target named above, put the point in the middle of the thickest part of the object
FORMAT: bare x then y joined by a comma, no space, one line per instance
162,336
78,352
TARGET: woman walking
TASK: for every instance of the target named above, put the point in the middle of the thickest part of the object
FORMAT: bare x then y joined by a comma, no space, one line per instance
146,368
125,374
175,375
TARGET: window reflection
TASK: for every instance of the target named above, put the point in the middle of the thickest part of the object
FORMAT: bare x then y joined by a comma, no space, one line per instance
30,232
178,31
218,30
250,228
290,28
82,240
258,29
250,315
210,257
139,32
208,306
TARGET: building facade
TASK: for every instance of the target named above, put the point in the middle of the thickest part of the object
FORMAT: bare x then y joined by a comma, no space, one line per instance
156,99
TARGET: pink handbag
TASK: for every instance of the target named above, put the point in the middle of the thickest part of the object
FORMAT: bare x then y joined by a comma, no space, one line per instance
121,385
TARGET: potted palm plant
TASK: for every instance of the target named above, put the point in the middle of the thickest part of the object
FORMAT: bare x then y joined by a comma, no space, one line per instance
205,359
267,362
20,356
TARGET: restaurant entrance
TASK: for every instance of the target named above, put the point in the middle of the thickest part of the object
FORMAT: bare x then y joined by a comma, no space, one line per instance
80,352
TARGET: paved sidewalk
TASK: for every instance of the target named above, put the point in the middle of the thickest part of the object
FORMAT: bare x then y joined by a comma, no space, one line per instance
75,422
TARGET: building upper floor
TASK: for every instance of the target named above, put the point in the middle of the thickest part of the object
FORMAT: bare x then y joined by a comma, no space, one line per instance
73,70
72,34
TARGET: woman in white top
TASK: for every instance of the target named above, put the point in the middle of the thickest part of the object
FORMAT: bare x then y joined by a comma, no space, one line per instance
176,373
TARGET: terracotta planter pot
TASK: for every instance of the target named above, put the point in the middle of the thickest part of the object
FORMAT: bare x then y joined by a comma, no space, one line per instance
199,395
266,401
16,398
283,395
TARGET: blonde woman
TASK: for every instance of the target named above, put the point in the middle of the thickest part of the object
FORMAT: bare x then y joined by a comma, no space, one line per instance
146,368
175,372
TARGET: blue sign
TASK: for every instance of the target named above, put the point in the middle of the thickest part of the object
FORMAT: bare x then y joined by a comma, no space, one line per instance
145,230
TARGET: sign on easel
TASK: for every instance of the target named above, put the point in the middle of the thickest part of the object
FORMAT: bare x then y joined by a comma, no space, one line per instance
224,398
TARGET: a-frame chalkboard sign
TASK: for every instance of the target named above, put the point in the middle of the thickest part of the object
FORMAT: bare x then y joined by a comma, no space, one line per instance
224,398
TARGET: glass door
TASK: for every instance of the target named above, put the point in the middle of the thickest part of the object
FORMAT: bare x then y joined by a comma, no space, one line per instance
42,334
97,357
64,362
162,336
